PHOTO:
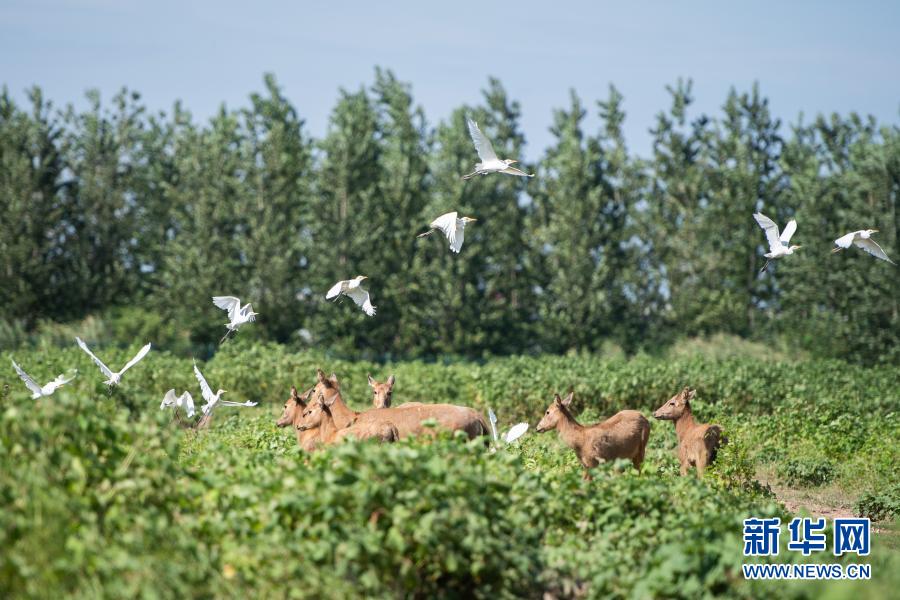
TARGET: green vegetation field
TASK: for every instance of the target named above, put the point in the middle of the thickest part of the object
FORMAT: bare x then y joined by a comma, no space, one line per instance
102,495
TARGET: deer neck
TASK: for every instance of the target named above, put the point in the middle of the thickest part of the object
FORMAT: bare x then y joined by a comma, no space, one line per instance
570,431
342,414
328,429
685,422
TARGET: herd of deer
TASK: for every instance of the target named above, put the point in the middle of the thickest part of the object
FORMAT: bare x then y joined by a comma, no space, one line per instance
320,416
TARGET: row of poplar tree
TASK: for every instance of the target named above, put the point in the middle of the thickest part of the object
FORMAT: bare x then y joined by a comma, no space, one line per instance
112,206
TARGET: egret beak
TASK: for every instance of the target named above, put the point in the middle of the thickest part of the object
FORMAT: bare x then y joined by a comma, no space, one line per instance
512,162
874,231
838,249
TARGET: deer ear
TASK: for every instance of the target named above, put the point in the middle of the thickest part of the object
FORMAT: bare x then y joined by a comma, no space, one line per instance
294,395
690,395
334,380
568,399
372,382
320,376
557,399
391,381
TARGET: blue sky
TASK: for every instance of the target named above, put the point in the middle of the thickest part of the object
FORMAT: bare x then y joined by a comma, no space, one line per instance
808,57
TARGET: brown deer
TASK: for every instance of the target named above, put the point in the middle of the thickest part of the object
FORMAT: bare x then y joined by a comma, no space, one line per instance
410,418
623,435
293,414
697,442
317,418
381,392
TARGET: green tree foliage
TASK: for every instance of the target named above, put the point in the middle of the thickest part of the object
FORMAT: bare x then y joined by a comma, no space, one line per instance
112,211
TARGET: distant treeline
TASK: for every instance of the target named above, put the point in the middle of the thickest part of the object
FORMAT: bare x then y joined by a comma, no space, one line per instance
115,207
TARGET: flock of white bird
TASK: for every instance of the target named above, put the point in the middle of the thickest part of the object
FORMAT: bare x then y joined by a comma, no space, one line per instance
453,227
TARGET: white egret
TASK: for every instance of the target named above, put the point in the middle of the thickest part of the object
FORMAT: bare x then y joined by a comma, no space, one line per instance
237,315
184,401
113,378
351,288
778,243
489,161
515,432
214,400
453,227
38,391
862,239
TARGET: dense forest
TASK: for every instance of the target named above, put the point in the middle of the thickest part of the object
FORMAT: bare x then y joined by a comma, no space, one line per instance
139,218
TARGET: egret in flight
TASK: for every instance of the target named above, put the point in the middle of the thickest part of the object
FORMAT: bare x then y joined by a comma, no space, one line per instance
237,315
36,390
489,161
213,400
351,288
778,243
453,227
113,378
184,401
862,239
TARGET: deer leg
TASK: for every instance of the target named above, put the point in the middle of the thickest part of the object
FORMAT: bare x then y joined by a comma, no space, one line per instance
701,466
684,468
586,475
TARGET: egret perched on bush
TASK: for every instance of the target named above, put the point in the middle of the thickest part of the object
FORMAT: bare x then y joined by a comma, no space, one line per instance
213,400
237,315
114,378
351,288
862,239
489,161
184,401
453,227
36,390
778,243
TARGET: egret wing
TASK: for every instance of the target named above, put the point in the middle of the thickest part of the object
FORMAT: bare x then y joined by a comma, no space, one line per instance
515,171
168,400
515,432
788,232
103,368
872,247
230,403
457,241
247,313
361,297
335,290
447,224
482,144
186,401
30,383
228,303
845,241
771,229
137,358
204,387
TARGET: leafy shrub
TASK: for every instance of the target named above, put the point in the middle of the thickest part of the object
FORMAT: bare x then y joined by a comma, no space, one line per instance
880,504
807,471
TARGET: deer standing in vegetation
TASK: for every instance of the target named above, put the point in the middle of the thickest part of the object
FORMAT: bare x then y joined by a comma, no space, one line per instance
409,418
697,442
317,418
623,435
293,414
381,392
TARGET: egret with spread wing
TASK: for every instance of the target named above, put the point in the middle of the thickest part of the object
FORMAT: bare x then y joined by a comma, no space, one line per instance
453,227
113,378
38,391
213,400
489,161
862,239
237,314
351,288
184,401
515,432
778,242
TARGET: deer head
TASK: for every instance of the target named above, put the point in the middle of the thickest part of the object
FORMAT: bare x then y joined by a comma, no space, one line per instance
294,407
381,392
314,415
675,406
558,409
